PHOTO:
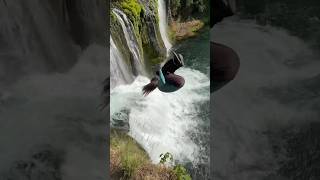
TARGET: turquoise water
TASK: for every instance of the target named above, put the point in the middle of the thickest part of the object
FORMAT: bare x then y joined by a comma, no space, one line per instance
196,52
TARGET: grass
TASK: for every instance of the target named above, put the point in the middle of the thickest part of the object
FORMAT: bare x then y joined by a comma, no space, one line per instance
126,154
128,161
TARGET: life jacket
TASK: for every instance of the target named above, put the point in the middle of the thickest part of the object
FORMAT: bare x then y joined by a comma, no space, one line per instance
169,67
165,86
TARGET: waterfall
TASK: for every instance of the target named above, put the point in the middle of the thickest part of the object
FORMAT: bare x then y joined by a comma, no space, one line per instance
161,122
119,72
131,40
163,24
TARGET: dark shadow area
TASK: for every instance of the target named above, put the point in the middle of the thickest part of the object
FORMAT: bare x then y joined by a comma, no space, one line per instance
265,121
53,62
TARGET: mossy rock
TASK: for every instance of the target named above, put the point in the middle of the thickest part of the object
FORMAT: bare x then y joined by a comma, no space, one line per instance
135,12
143,15
119,39
132,7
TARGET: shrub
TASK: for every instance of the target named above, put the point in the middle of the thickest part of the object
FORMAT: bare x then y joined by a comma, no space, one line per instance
180,172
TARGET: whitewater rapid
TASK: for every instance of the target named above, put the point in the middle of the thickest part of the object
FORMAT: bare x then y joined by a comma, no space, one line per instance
162,122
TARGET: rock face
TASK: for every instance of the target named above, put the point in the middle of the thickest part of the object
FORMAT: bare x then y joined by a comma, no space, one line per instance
144,18
46,36
189,9
141,19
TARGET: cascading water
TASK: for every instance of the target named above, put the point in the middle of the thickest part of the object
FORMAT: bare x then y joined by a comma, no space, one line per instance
246,113
162,122
167,122
120,74
163,24
131,40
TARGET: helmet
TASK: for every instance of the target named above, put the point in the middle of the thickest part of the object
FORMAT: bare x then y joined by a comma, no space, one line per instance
174,63
177,59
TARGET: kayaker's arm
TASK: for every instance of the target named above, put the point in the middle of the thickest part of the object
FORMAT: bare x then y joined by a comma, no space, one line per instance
150,87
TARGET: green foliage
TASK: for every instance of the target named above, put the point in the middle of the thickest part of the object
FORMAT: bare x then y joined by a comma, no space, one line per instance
132,7
172,35
152,52
132,156
197,27
119,38
187,9
113,17
180,171
157,60
153,55
134,10
130,163
165,157
175,7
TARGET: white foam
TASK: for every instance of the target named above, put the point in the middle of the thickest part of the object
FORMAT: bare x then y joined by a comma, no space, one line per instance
161,121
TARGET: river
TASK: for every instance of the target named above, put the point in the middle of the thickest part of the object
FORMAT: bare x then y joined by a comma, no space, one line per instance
170,122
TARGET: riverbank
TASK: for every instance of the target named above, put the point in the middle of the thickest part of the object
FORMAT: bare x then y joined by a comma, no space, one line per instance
128,160
184,30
